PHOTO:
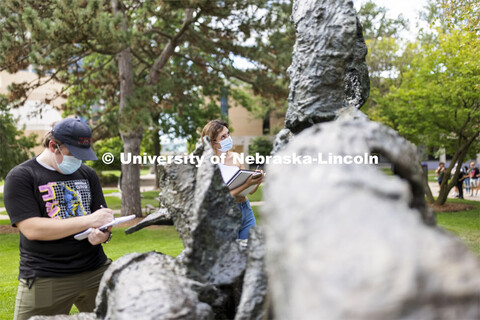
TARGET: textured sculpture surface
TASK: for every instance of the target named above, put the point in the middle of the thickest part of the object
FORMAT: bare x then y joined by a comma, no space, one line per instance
346,241
342,241
328,70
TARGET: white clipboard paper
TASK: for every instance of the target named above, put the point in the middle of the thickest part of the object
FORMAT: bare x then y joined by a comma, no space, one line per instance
115,221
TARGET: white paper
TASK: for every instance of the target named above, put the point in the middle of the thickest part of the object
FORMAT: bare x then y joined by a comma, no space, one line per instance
227,171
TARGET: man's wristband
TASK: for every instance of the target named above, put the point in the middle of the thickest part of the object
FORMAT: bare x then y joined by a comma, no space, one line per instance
109,238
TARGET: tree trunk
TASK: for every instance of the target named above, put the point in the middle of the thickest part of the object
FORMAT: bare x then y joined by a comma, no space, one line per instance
131,201
132,133
428,192
156,147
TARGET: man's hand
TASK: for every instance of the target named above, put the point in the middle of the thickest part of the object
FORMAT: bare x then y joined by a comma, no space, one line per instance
101,217
45,229
97,237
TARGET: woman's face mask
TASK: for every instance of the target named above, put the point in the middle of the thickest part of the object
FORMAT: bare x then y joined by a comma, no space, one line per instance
226,144
69,165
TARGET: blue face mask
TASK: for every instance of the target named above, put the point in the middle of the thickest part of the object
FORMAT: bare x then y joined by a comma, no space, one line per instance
226,144
69,165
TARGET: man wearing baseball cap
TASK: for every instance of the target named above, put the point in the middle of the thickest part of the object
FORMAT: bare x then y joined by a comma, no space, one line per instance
50,198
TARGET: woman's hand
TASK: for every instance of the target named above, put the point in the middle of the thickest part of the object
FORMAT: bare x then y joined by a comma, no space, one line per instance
97,236
255,179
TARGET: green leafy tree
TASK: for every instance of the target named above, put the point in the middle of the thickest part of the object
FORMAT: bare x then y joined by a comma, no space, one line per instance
14,144
384,58
428,90
144,62
438,101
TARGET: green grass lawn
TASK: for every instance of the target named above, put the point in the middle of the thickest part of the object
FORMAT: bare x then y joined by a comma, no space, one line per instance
464,224
257,196
8,274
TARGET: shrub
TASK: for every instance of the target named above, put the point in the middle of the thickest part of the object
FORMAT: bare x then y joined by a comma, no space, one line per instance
107,178
260,145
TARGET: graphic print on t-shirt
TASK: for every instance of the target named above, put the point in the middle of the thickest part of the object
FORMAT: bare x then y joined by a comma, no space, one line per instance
65,199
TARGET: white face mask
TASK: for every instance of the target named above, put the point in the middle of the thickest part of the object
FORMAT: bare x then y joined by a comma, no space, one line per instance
69,165
226,144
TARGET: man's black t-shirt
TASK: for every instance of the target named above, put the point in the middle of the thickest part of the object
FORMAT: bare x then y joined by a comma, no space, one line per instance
31,190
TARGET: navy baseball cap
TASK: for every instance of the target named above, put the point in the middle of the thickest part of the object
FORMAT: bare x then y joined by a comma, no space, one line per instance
77,136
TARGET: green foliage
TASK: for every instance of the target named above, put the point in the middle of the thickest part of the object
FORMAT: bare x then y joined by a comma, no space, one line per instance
80,40
454,14
107,178
432,97
260,145
438,101
14,144
111,145
384,55
375,23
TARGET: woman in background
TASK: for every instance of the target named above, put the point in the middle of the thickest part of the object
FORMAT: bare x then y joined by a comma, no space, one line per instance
217,131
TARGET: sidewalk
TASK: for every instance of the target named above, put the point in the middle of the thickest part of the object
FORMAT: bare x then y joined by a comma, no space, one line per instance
436,189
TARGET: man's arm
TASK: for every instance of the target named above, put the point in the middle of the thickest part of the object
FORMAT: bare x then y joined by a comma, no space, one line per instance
45,229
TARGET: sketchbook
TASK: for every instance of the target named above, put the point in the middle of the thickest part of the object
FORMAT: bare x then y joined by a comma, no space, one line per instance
234,177
115,221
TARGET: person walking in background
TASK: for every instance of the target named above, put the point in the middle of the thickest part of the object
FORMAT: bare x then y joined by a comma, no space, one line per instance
440,172
461,177
466,181
50,198
474,175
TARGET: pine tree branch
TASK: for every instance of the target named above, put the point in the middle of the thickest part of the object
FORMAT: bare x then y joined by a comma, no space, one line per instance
158,31
167,52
